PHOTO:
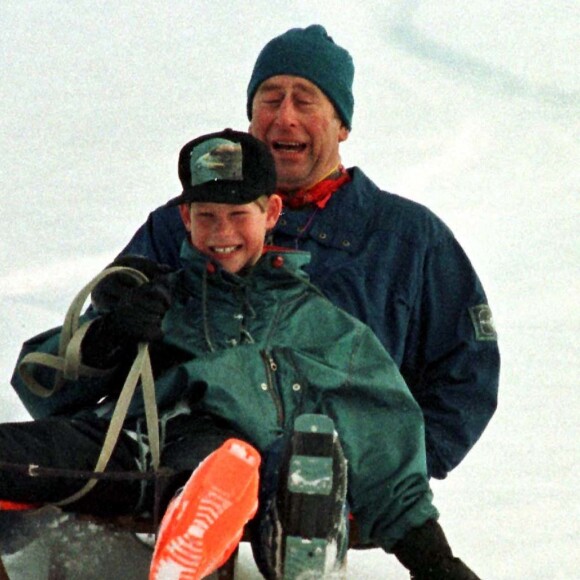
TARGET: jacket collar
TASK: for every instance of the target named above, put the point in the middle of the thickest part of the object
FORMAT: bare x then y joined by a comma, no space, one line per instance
276,267
327,226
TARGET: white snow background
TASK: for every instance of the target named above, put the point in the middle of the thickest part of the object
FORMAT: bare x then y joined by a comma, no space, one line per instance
471,108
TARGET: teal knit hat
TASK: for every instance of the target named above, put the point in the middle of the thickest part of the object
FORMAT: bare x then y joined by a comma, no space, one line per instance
311,54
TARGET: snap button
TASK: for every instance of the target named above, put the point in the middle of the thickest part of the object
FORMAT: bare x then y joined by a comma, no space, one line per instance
264,387
296,387
345,243
322,236
277,261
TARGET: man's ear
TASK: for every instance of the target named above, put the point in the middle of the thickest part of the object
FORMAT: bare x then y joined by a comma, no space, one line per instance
185,213
273,210
343,133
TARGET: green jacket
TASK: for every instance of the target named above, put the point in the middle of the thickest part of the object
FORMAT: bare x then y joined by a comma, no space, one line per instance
260,349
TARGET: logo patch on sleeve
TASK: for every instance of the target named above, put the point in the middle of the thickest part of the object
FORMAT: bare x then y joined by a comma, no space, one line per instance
482,320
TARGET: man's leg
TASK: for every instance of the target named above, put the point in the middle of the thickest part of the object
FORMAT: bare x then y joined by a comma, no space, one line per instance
66,444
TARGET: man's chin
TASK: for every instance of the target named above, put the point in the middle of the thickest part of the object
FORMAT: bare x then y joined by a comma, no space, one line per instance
291,183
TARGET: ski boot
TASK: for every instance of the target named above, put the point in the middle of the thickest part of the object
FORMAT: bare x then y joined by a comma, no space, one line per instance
312,502
204,523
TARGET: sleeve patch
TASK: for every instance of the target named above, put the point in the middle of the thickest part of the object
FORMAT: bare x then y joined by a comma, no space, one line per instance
482,320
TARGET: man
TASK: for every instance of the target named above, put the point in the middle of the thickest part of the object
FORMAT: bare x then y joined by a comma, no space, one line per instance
386,260
240,340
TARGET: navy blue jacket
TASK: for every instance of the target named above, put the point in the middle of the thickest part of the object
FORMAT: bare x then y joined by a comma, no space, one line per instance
394,265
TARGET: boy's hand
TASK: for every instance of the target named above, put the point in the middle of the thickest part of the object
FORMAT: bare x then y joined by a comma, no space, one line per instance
107,294
137,317
139,313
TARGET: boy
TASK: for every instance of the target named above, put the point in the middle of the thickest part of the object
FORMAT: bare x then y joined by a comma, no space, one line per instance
248,353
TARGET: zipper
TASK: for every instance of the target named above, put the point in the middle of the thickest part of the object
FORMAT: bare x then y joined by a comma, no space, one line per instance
271,368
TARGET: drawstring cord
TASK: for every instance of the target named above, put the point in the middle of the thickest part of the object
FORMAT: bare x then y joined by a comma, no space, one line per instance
306,228
304,281
204,311
248,311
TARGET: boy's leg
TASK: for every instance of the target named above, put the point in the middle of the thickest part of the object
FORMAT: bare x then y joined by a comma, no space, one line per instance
205,521
187,441
301,531
66,444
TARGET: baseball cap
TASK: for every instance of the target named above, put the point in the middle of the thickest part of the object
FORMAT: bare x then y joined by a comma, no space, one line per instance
225,167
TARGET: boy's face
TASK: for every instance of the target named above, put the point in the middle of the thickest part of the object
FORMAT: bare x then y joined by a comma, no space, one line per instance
233,235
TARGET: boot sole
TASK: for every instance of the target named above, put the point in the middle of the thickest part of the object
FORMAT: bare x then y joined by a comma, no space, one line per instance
309,484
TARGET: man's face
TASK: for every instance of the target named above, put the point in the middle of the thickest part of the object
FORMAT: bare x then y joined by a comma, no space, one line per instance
300,126
233,235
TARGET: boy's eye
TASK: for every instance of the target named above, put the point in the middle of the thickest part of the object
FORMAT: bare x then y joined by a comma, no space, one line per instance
204,217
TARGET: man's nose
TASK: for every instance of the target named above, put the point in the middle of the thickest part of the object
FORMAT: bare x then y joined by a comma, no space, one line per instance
286,112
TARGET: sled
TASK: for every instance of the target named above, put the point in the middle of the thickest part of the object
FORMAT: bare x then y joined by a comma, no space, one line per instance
49,544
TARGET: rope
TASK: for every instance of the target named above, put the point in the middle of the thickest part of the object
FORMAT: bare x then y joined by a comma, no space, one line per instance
68,367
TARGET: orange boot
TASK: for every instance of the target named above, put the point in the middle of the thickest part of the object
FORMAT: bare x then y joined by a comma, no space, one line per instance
204,524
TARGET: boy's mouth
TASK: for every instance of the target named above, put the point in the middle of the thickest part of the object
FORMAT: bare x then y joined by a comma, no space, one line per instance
224,249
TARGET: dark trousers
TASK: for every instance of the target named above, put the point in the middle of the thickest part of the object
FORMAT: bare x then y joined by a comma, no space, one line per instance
76,444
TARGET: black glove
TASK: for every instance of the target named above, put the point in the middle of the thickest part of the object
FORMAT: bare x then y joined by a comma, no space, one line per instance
425,552
136,318
109,291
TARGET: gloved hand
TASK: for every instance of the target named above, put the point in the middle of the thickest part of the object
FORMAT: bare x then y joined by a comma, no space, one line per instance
425,552
108,292
447,569
137,318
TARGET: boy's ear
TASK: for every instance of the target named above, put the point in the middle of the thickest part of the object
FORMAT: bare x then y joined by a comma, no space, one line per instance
184,211
273,210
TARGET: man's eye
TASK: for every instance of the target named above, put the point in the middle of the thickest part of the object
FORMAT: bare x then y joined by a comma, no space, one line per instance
270,97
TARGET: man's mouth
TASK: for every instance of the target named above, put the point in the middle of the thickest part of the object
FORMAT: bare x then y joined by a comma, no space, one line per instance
290,146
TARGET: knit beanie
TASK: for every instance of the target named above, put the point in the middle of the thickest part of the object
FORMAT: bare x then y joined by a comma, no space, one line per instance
311,54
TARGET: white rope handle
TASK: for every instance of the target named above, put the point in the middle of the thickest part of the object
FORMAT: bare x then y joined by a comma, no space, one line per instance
69,367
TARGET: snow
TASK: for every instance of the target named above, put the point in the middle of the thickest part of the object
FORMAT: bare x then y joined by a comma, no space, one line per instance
469,108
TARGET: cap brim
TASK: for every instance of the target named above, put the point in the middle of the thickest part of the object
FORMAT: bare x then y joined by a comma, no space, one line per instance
230,192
